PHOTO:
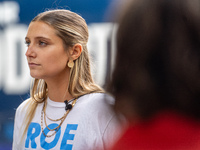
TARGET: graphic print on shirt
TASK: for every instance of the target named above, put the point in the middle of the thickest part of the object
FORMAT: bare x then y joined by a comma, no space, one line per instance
34,131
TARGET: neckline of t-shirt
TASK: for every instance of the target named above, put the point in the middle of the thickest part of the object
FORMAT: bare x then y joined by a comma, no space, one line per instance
57,104
62,104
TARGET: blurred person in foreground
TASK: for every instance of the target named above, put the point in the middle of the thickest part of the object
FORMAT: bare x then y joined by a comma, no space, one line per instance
66,109
156,81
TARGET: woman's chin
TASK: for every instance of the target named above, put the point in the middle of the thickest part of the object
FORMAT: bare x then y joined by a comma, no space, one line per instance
36,76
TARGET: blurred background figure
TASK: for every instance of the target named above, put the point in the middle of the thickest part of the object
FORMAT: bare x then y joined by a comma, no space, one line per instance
156,80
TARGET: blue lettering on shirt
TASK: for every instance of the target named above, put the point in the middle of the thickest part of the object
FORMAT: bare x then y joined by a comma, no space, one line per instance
53,143
34,130
68,136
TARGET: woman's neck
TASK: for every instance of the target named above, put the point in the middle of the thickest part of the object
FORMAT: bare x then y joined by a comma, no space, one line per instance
58,91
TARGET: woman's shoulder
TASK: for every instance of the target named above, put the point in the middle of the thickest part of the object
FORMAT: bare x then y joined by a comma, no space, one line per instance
96,103
24,105
97,98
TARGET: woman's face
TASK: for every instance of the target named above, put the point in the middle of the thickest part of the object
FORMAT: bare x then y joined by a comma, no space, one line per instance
47,58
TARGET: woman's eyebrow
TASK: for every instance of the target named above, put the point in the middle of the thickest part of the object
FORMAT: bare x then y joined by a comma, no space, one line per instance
39,37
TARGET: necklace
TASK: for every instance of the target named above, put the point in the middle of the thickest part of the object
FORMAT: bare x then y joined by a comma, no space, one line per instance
60,119
44,108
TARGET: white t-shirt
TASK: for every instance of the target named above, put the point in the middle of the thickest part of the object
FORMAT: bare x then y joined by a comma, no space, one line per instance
90,125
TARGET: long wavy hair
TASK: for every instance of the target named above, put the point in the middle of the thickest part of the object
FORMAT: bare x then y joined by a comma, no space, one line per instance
72,29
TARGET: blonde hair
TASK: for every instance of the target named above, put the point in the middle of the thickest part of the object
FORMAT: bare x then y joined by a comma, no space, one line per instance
72,29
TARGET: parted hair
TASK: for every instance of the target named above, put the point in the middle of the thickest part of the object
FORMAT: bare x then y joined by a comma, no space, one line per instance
158,58
72,29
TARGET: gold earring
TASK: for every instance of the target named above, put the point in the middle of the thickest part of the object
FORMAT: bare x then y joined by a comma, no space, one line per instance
70,63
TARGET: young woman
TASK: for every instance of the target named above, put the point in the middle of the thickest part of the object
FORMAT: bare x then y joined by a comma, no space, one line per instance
156,81
66,110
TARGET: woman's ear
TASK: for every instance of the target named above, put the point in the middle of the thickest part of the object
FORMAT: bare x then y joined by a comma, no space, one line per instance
76,51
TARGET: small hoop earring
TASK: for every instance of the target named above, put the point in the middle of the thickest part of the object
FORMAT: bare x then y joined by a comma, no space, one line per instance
70,63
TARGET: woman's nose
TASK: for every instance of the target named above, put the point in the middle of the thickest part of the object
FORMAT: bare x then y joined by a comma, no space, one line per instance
30,52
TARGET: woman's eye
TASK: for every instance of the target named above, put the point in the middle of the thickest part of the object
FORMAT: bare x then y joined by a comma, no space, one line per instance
41,43
27,43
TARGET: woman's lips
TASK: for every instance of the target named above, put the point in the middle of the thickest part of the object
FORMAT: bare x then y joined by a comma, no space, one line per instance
33,64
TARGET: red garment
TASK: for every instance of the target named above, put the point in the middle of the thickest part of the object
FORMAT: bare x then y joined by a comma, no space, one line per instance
167,131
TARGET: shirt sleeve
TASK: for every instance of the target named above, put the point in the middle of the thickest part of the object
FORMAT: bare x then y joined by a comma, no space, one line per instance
18,125
114,126
16,131
112,132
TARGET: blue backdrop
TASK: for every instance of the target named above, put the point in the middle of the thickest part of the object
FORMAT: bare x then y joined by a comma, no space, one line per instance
21,12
